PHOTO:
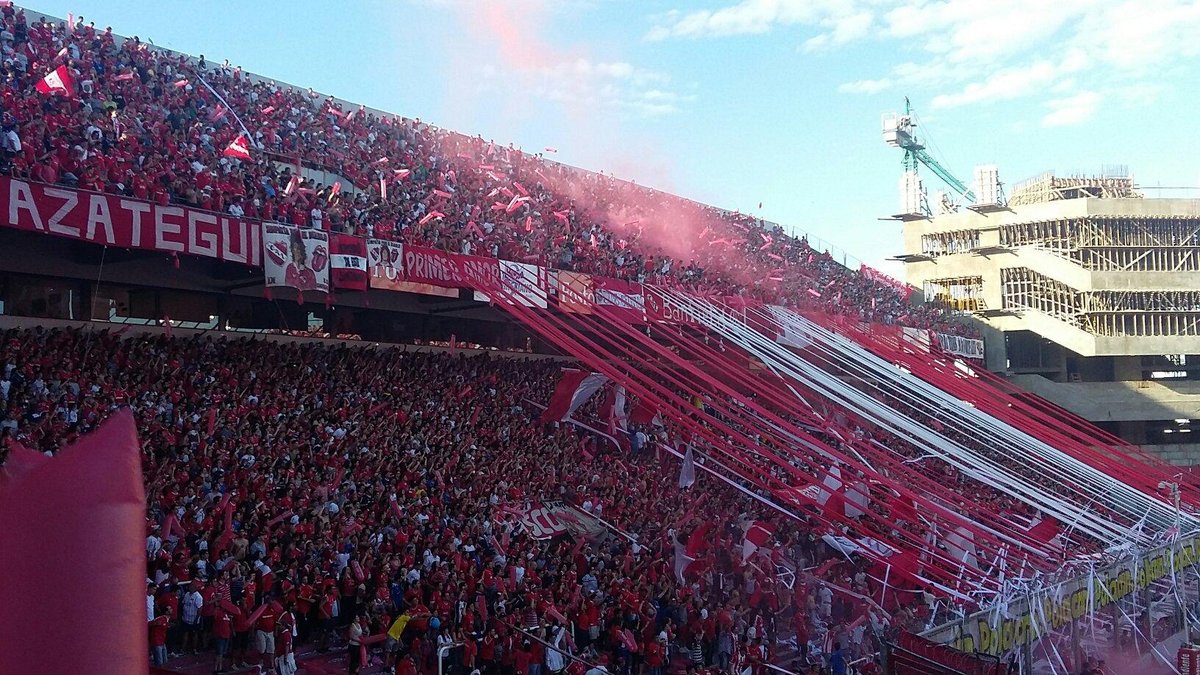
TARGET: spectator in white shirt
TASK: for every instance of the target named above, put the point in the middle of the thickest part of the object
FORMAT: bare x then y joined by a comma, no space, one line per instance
189,611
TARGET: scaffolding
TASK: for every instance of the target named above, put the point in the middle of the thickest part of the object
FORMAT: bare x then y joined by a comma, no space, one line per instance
1115,244
1115,183
1103,313
949,243
964,294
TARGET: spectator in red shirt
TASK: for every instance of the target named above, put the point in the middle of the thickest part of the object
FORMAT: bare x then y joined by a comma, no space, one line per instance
158,638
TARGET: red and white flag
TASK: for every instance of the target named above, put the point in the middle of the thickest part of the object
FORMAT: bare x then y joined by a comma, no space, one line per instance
757,538
239,148
575,387
57,81
551,149
348,262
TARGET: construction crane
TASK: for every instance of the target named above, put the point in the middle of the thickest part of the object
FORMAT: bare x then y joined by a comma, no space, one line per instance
899,132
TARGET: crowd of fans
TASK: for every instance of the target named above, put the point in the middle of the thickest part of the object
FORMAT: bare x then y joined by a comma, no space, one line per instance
152,124
338,496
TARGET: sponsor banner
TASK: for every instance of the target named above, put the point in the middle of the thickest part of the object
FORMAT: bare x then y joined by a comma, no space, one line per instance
624,299
1027,619
295,257
525,282
385,267
575,292
664,308
112,220
661,308
960,346
348,262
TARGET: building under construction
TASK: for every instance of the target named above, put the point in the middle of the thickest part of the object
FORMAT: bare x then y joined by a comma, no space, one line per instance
1090,295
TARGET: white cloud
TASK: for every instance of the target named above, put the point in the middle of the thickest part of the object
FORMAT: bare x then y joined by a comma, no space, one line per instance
1067,54
615,84
1071,110
865,86
1003,85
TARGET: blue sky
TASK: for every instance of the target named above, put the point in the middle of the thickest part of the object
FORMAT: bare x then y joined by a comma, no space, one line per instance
736,102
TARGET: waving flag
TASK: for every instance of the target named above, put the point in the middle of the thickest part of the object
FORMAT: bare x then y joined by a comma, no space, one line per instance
57,81
575,387
687,473
71,527
239,148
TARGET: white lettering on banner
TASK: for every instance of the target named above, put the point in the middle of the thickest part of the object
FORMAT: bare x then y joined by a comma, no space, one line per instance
110,220
98,214
162,228
70,201
137,209
423,266
202,243
20,198
541,523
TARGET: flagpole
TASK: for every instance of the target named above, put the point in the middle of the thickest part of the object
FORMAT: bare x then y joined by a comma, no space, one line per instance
249,136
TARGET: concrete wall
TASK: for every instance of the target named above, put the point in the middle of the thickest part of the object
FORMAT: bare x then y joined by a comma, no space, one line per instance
1186,454
1118,401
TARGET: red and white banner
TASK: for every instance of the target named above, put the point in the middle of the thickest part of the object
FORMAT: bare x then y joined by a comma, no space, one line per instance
575,387
542,523
758,536
553,519
112,220
348,262
295,257
385,267
57,81
624,299
451,270
524,283
575,292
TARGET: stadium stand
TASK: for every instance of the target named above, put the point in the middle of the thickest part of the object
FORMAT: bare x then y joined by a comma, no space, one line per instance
402,507
150,125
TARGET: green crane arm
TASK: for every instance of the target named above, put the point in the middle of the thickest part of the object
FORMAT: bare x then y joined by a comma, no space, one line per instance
942,173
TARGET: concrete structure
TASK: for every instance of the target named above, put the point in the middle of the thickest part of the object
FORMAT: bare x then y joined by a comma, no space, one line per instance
1090,296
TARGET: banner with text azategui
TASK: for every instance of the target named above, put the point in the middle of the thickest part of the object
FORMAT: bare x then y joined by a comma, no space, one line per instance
113,220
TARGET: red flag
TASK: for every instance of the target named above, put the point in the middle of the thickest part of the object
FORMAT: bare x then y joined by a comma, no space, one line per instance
575,387
337,187
73,527
57,81
348,262
239,148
